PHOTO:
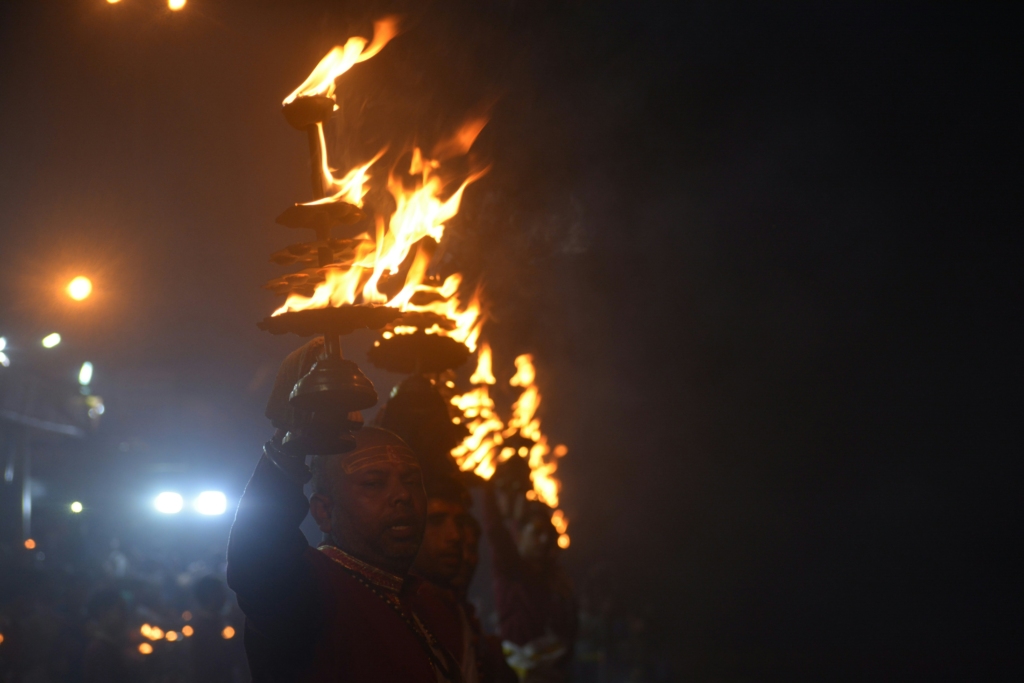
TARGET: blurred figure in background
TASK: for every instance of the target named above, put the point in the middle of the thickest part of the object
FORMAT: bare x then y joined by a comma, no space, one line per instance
214,657
108,658
534,598
438,563
490,658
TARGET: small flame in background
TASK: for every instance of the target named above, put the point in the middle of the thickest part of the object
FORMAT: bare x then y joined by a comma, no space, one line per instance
483,449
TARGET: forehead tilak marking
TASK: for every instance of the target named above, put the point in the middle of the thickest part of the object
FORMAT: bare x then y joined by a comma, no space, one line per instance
361,459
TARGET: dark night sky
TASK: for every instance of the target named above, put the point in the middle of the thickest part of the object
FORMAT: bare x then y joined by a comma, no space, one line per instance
765,256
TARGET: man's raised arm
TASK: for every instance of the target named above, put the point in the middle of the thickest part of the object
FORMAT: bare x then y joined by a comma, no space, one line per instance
267,564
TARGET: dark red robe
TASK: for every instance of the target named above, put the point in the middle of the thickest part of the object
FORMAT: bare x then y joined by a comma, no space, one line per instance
310,617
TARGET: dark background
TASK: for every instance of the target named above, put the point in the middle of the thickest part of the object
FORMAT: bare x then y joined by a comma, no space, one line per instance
765,256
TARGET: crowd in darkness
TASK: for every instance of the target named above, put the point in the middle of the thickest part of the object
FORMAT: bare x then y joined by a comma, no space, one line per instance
80,609
116,614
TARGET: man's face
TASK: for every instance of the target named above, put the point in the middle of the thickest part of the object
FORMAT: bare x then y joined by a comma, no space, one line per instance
376,513
440,556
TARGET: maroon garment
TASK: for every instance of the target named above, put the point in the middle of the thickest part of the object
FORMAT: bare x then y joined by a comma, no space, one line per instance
530,601
439,608
308,618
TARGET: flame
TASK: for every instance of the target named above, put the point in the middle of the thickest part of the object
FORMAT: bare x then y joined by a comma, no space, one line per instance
342,58
483,373
458,144
341,284
479,452
525,373
349,188
476,452
419,212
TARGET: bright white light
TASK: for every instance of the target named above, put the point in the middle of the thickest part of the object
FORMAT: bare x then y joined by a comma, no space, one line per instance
169,503
4,360
76,507
176,5
85,374
211,503
3,343
51,340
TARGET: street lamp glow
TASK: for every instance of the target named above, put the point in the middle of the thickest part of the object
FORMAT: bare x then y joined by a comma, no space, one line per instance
175,5
169,503
113,2
80,288
76,507
211,503
4,360
85,374
3,343
51,340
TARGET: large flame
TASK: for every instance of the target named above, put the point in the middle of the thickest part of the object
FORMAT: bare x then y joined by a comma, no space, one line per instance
342,58
421,212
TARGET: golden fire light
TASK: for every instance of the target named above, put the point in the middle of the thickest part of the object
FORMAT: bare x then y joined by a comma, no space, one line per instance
432,323
79,288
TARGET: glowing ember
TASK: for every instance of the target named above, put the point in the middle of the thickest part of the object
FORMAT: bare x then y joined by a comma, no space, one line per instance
151,632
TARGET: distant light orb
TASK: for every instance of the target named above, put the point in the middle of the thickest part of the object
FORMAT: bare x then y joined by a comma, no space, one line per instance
4,360
228,633
76,507
145,648
51,340
169,503
176,5
211,503
80,288
171,636
187,630
113,2
3,343
30,544
85,374
563,541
